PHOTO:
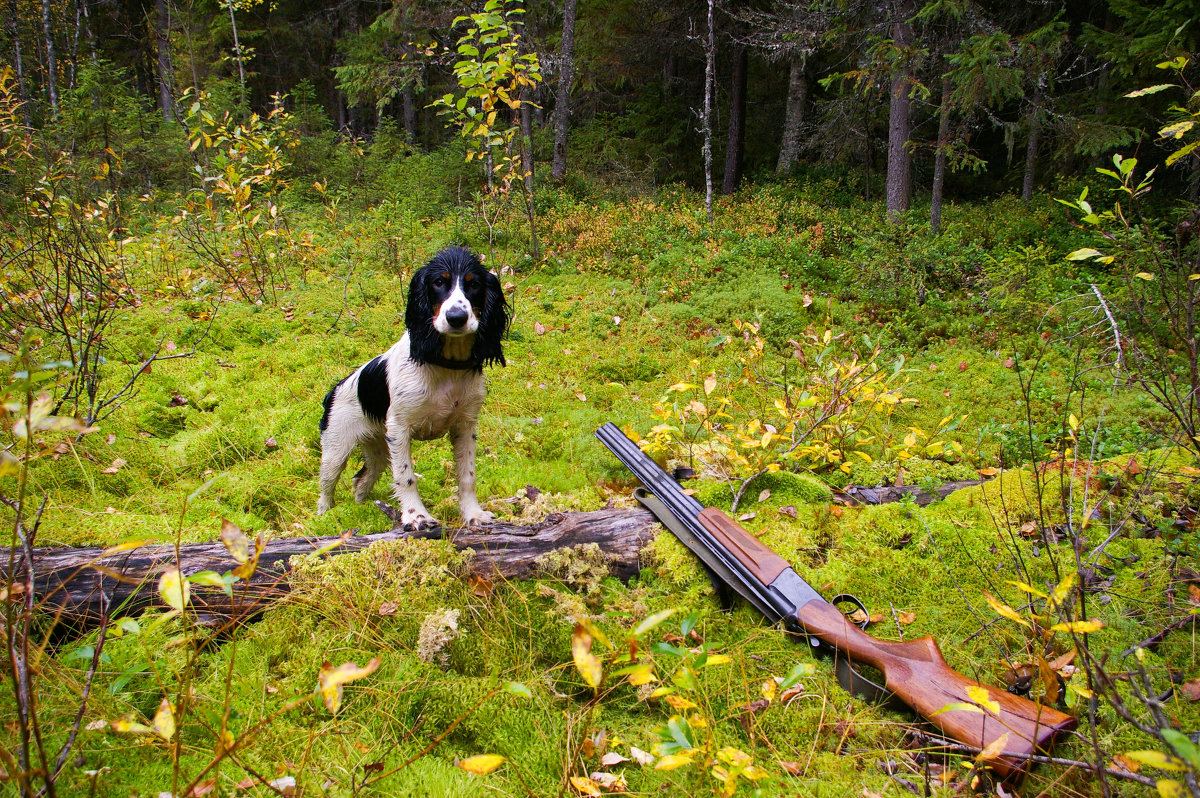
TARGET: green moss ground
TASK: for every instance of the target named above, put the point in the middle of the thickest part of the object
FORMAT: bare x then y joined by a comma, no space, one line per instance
629,295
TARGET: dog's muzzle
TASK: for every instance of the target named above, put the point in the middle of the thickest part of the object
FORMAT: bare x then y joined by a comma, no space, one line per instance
457,318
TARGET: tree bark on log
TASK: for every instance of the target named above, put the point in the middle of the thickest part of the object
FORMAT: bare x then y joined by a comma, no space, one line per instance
70,581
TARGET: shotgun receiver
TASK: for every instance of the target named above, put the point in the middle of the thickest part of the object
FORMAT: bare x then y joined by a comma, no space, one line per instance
914,672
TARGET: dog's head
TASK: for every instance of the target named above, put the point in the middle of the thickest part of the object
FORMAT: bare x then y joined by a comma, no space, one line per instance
454,296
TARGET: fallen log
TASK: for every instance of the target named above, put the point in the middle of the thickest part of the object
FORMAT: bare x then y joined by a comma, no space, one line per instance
78,583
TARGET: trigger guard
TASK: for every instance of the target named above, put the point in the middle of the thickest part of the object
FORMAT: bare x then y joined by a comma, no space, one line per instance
846,598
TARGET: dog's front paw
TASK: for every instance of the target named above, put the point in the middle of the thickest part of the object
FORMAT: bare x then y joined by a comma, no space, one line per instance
416,518
477,517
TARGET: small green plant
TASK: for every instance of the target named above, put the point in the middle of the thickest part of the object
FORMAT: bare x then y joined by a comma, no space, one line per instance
33,431
234,220
690,738
495,78
833,409
1157,311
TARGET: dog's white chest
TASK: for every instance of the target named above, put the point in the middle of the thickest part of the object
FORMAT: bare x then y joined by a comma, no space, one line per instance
445,405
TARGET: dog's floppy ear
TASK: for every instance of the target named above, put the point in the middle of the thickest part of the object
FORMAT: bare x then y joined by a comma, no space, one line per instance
493,323
424,342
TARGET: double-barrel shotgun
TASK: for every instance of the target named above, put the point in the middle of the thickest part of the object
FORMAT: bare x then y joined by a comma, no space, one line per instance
1009,727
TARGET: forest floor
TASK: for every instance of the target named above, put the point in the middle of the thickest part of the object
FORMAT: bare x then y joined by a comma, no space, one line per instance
633,298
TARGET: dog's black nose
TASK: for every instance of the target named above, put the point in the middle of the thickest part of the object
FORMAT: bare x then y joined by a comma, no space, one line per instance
457,317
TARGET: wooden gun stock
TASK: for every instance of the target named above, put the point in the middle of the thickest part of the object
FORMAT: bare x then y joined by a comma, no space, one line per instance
914,671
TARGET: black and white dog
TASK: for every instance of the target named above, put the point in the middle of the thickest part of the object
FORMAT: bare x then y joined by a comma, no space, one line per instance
429,384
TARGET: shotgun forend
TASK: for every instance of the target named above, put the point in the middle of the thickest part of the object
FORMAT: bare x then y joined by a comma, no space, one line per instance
1010,728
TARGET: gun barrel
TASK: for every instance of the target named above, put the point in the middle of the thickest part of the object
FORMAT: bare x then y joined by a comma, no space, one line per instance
773,604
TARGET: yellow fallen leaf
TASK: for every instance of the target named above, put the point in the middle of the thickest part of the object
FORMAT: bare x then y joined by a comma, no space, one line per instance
680,703
1078,627
586,662
164,720
673,761
481,764
331,679
585,786
1004,610
983,698
994,749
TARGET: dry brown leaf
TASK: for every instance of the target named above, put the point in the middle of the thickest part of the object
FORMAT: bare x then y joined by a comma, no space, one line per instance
789,511
388,608
1191,689
245,783
1194,594
1125,763
789,694
747,516
906,618
792,768
116,466
539,328
612,758
203,788
1058,663
766,494
480,586
643,758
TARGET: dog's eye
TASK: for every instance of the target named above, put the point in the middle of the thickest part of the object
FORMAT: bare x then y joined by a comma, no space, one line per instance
439,282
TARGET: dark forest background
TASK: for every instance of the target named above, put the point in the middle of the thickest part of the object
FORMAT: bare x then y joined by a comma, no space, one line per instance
1007,94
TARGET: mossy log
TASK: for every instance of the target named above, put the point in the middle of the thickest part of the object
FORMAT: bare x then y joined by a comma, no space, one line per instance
76,583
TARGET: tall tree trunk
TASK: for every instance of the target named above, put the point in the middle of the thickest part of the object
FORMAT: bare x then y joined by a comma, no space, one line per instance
88,33
793,121
899,163
562,104
339,109
939,161
409,103
237,49
75,48
162,30
1035,139
527,137
710,69
19,64
51,59
736,139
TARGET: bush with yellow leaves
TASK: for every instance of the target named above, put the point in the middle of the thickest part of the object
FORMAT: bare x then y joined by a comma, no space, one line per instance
826,404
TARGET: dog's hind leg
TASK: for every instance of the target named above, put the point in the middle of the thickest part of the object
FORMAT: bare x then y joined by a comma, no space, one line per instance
375,460
335,451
